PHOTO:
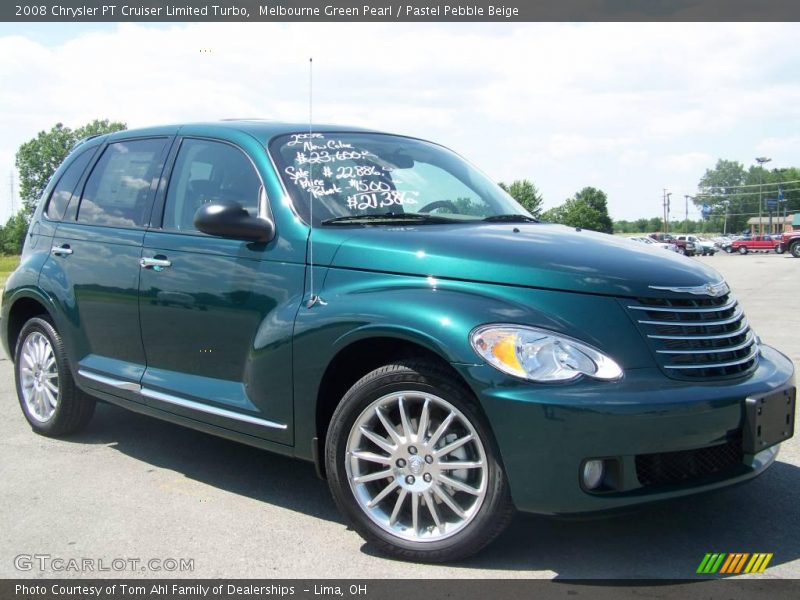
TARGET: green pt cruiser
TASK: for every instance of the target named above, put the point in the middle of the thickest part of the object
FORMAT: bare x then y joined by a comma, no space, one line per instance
375,304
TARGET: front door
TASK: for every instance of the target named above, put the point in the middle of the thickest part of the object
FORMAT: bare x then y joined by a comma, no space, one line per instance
217,314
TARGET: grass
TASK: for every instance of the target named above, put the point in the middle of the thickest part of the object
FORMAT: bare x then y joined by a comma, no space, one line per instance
7,264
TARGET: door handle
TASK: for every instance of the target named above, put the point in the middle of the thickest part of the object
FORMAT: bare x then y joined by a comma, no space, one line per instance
156,263
64,250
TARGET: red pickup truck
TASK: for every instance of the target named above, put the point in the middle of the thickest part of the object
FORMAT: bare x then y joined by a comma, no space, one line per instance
757,242
791,242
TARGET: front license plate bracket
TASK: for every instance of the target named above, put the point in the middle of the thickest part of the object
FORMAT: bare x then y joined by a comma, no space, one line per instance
769,419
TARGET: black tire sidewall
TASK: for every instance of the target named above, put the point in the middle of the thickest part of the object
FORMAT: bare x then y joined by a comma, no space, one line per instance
67,394
362,394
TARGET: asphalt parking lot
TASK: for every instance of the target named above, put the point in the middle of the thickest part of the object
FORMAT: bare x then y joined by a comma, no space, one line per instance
134,487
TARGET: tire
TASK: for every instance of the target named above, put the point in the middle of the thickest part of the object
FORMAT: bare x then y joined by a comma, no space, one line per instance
413,471
682,250
780,249
795,249
728,249
742,250
48,396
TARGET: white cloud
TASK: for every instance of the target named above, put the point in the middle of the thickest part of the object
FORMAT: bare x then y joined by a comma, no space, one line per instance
630,108
688,161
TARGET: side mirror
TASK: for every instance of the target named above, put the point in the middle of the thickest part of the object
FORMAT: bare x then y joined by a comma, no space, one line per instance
228,219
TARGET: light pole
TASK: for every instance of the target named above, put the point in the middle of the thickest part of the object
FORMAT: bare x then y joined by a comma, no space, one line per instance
761,160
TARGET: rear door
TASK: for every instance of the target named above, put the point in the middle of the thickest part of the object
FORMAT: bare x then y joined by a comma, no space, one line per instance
217,314
95,264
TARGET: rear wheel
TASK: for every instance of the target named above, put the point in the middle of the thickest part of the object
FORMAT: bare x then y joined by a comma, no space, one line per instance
50,400
681,250
780,249
412,464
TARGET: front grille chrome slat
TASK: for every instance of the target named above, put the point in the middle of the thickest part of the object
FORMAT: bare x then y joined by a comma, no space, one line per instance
727,306
697,338
749,341
732,363
744,327
699,322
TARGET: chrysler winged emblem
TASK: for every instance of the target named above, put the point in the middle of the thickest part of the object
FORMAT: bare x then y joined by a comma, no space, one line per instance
710,289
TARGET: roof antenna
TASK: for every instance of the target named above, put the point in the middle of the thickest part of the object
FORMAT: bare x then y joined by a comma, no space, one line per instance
313,298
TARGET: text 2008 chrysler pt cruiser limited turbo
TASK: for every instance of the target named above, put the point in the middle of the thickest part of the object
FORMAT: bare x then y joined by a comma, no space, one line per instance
440,355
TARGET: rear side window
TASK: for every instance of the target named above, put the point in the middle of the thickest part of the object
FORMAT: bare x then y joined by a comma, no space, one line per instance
206,171
62,193
118,190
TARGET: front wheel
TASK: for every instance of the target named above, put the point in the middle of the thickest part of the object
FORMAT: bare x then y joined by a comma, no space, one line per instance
681,250
412,464
49,398
742,250
780,249
795,249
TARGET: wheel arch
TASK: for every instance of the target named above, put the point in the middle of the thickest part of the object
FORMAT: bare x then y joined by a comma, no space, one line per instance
354,360
23,307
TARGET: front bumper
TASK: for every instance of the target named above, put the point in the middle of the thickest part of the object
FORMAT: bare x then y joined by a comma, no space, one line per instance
545,432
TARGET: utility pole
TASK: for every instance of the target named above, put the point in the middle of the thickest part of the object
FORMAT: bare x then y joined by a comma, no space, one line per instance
686,214
761,160
725,223
666,227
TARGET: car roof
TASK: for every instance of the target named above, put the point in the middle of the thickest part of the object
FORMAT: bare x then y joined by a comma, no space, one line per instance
261,129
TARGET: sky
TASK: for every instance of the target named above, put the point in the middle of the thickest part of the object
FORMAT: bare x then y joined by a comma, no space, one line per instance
630,108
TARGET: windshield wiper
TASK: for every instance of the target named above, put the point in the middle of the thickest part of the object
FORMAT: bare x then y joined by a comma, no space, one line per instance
389,217
511,218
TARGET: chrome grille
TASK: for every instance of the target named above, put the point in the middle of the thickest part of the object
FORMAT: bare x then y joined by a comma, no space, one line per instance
698,337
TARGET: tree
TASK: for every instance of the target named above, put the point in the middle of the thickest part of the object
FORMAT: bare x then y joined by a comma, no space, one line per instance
12,236
587,210
597,201
527,194
38,159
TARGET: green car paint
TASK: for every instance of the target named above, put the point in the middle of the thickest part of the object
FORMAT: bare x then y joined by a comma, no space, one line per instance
236,326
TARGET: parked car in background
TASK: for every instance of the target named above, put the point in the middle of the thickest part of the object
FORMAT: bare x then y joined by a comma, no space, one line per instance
684,246
702,246
763,243
722,242
651,242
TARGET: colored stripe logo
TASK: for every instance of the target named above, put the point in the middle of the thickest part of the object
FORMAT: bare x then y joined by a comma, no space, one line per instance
734,563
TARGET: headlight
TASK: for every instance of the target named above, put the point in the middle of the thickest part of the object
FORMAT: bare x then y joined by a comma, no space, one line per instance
540,355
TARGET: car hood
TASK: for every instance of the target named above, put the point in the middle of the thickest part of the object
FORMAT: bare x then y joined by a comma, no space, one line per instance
531,254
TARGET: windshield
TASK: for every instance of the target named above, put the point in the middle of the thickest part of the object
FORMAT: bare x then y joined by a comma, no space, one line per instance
351,175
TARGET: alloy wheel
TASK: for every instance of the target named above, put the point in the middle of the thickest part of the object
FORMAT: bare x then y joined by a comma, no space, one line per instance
417,466
39,377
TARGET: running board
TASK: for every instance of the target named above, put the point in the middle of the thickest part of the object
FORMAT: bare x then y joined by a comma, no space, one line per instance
129,386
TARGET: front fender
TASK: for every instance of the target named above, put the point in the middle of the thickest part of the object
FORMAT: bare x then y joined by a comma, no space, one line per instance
439,314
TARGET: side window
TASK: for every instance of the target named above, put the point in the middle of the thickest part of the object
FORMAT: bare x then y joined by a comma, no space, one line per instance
205,171
62,193
117,191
